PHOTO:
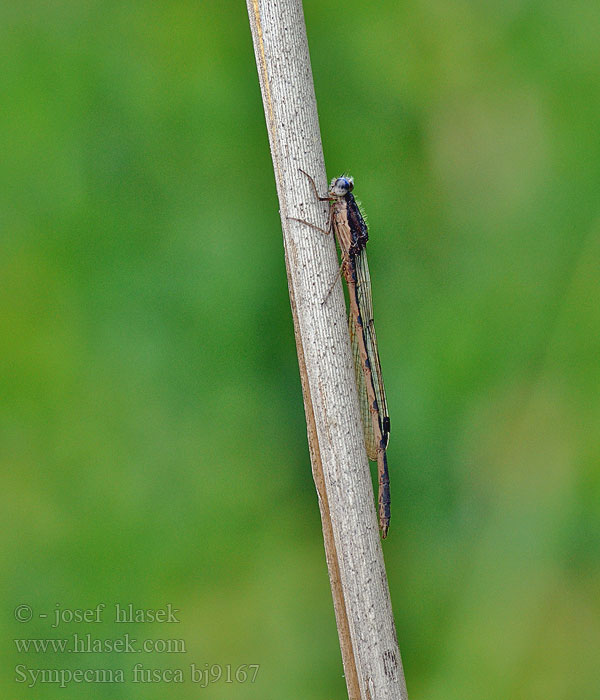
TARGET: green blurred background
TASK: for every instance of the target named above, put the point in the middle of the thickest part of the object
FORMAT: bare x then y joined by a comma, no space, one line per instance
153,438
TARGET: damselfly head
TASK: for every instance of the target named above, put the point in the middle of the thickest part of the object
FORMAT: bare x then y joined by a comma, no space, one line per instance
340,186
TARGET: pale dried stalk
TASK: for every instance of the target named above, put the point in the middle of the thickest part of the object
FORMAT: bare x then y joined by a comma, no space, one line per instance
370,654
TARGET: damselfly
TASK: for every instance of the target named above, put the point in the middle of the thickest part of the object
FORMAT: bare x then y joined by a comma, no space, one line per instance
348,224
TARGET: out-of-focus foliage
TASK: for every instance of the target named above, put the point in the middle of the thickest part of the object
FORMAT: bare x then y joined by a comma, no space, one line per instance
152,430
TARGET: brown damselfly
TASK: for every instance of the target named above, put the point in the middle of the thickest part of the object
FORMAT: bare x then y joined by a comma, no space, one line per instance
350,229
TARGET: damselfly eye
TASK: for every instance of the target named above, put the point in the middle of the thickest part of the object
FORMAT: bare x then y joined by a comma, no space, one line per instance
341,186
